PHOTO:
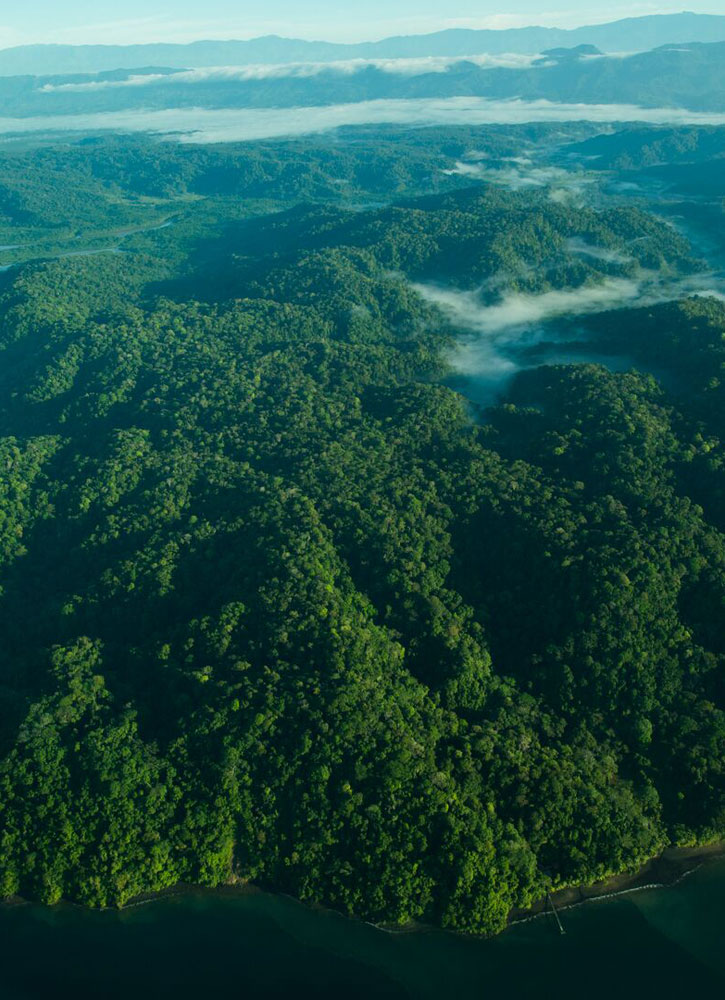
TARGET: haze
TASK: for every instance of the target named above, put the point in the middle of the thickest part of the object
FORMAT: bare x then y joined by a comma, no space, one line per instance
86,22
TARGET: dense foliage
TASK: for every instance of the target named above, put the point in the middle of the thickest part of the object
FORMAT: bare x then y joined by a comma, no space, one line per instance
274,607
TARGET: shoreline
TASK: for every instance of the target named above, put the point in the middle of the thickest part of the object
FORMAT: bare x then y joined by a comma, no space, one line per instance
665,870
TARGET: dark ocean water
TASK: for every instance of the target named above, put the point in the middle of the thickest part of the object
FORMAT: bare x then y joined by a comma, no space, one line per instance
655,943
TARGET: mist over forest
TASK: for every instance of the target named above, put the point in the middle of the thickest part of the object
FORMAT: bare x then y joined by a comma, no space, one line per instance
362,467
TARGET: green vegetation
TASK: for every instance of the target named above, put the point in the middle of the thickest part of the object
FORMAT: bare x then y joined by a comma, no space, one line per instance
274,607
96,189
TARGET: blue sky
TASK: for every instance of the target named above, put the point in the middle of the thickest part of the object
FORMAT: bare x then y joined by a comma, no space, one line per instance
108,21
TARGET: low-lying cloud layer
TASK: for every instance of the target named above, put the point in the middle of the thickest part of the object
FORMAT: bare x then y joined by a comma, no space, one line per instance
584,249
203,125
347,67
517,309
520,174
496,336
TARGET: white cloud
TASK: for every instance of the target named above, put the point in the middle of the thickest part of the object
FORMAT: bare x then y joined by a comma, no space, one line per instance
596,56
517,310
347,67
580,246
203,125
144,80
564,185
495,337
710,293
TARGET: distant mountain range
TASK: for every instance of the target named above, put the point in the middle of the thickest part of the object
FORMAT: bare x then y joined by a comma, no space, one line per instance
682,76
629,35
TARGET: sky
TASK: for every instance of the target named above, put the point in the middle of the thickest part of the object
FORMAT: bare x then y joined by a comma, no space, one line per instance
135,21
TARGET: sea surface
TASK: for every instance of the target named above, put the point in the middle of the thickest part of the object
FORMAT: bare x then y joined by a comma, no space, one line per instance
663,943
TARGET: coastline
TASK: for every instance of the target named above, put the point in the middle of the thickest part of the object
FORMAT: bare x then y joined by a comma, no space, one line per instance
667,869
663,871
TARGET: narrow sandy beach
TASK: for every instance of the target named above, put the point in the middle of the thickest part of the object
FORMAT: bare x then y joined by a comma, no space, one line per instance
668,868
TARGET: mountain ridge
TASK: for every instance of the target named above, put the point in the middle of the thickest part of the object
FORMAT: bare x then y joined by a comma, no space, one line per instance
688,76
629,34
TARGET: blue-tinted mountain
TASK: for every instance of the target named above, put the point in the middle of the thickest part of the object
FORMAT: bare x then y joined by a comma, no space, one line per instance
631,34
685,76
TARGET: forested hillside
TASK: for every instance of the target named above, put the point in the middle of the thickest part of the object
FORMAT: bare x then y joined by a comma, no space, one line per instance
276,606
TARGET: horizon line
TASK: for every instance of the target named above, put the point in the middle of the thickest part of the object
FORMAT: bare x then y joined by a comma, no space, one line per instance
353,44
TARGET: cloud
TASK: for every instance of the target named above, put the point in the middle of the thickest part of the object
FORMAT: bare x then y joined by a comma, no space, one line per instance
204,125
517,310
579,246
140,80
595,56
347,67
495,338
521,175
710,293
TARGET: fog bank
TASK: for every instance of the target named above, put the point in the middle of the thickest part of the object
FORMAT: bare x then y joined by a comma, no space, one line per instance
495,338
201,125
306,70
